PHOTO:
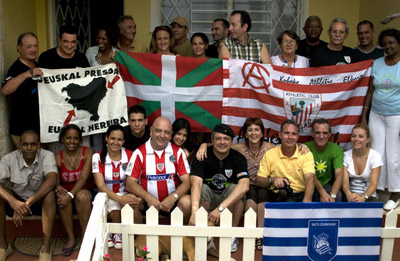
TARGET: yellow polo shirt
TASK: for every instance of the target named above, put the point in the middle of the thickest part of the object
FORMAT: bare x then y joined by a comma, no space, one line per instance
275,164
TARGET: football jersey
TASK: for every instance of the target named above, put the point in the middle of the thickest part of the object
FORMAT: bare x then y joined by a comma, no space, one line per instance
158,172
114,172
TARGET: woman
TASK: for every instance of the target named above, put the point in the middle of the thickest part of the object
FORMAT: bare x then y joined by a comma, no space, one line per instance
109,168
104,52
362,166
288,42
180,134
253,149
76,182
384,120
162,41
199,43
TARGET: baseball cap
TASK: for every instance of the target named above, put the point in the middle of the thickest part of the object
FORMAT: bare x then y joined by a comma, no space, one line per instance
181,21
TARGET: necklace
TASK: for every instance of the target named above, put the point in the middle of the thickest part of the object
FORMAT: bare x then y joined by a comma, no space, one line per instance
254,155
286,62
72,158
109,58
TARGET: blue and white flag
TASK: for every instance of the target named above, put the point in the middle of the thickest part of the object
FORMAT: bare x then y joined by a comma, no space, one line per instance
322,231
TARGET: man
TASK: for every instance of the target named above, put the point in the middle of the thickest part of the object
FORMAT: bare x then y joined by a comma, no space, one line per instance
65,55
127,33
220,32
240,45
220,181
366,49
313,29
27,179
335,53
285,165
180,29
20,85
328,158
137,132
158,172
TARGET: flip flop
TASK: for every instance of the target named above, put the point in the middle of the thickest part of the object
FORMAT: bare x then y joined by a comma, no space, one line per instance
259,244
67,251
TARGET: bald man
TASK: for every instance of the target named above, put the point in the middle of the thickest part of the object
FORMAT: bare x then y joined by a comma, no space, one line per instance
163,172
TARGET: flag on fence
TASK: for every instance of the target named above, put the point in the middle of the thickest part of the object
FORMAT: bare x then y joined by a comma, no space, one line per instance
88,97
322,231
273,93
174,87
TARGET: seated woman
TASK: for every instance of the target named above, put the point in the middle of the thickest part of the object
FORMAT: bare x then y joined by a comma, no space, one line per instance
109,168
288,42
76,182
180,134
199,43
362,167
162,41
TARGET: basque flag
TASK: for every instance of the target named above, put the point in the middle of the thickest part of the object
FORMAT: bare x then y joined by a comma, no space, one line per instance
322,231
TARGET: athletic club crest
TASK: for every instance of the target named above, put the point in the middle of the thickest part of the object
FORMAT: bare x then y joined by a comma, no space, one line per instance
302,107
228,173
322,239
160,166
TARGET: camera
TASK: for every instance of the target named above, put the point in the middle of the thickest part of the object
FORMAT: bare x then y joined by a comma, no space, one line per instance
283,193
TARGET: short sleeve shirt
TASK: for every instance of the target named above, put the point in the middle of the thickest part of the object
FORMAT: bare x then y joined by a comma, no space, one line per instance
324,57
250,52
22,179
275,164
51,60
114,173
326,161
158,172
219,174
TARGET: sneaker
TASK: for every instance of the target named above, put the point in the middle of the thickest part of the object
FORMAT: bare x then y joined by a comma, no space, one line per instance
110,241
234,244
117,241
390,204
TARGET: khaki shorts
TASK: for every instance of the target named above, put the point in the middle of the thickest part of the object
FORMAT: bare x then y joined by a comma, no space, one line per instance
215,199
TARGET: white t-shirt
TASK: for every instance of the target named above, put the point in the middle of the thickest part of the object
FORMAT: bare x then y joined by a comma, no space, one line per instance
360,183
301,61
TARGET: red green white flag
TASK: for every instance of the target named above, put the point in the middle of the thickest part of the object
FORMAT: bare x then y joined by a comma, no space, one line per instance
174,87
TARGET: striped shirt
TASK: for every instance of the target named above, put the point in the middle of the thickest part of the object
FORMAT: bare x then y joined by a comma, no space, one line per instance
250,52
158,172
114,173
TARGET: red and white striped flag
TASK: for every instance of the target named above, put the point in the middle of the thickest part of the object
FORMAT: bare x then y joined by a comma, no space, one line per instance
336,93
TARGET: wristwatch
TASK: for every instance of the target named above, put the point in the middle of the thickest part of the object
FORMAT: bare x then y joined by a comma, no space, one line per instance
366,197
333,196
221,208
269,181
176,196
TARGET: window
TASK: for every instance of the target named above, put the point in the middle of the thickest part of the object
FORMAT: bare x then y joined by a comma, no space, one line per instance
269,17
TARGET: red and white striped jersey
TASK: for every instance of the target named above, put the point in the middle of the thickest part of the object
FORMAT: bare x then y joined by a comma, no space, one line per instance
158,171
114,173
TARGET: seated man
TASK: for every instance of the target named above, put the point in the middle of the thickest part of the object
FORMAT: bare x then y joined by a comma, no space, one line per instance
221,180
158,173
284,166
27,179
328,159
137,132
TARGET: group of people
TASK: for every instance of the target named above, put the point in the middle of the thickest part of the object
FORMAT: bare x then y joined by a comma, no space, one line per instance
157,166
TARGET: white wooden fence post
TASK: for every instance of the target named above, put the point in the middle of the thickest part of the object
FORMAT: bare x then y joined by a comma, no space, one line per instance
128,244
388,243
176,242
225,242
250,221
152,241
201,242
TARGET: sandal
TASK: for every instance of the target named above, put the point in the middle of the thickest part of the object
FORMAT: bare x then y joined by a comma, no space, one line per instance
259,244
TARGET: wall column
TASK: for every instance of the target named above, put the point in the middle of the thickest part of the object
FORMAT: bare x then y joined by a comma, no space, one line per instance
5,142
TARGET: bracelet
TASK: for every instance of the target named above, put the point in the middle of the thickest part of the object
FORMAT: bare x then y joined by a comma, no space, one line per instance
72,195
365,107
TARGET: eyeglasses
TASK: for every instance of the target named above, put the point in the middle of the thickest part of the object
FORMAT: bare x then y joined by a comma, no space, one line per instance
338,32
288,42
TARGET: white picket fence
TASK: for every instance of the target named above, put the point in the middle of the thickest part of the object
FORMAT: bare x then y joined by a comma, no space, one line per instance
98,228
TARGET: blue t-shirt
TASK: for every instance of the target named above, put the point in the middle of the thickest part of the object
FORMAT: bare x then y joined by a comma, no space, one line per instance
386,98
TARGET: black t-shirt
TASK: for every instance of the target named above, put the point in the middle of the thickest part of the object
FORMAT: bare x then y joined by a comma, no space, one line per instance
304,49
51,60
212,50
219,174
325,56
132,142
359,55
24,102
